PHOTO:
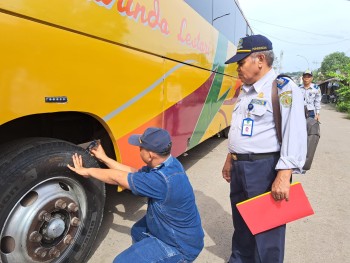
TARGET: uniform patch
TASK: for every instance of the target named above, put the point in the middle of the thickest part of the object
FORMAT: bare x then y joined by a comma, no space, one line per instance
240,44
261,95
285,92
281,82
259,102
286,99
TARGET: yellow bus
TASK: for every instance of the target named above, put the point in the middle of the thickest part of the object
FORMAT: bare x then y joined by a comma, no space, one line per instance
72,71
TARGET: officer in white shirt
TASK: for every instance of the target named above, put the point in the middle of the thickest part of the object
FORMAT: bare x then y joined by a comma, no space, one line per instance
256,162
312,96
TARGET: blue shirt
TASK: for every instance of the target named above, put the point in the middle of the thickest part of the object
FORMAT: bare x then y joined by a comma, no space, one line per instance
172,215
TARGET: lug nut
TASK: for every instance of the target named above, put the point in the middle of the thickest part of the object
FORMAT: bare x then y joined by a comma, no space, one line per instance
72,207
40,252
75,221
68,240
60,204
35,236
54,252
44,216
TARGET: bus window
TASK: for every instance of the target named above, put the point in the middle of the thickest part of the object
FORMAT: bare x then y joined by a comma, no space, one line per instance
239,30
228,19
203,7
224,15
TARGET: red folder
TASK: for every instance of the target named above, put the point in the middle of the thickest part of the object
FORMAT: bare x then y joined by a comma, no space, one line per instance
262,212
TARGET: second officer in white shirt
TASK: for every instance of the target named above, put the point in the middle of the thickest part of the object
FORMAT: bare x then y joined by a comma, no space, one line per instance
312,96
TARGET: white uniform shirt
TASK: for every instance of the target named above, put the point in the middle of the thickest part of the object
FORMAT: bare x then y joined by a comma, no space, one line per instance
264,137
312,97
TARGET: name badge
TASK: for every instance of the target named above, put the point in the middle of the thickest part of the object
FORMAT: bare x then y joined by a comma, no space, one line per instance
259,102
247,127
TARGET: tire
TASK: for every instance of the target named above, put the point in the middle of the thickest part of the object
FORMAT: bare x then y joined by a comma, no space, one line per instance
47,212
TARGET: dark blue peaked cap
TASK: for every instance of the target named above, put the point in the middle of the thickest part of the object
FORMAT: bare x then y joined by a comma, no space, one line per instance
248,45
153,139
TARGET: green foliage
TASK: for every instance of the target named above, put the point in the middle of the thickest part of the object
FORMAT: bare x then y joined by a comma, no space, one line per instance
343,93
333,63
343,106
317,75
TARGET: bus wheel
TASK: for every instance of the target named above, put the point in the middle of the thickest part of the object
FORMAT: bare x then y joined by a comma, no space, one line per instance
47,212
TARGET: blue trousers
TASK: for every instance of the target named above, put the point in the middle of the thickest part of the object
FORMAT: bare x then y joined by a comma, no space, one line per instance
249,179
147,248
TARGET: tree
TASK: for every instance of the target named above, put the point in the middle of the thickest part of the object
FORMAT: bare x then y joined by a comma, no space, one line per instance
343,93
334,62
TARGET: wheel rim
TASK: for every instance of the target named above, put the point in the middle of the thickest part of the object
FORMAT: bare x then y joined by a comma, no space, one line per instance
44,224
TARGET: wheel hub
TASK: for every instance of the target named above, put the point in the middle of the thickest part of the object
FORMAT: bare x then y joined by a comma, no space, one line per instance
43,224
55,228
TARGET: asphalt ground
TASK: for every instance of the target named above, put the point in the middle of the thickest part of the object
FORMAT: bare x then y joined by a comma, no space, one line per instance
322,237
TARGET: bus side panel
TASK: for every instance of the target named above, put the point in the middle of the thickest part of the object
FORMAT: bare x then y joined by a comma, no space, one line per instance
154,26
197,103
222,118
124,88
185,91
119,86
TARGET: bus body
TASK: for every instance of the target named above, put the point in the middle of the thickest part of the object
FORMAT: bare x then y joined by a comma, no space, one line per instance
75,71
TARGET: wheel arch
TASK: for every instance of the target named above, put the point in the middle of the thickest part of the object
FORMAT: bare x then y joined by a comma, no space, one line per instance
74,127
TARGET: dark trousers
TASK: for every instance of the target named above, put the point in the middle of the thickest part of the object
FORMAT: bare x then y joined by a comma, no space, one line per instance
249,179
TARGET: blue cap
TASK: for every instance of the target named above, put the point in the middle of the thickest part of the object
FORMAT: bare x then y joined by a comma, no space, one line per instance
153,139
249,45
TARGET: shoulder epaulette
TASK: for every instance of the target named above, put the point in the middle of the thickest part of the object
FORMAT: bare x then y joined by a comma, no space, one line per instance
281,82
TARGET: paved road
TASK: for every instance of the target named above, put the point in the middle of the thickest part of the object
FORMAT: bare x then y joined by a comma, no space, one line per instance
323,237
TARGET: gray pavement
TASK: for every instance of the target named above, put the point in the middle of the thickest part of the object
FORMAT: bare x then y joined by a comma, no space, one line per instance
323,237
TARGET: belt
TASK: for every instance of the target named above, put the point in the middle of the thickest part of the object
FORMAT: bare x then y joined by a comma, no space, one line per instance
252,156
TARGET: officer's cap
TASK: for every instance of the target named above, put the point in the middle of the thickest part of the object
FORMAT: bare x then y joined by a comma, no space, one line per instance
307,72
248,45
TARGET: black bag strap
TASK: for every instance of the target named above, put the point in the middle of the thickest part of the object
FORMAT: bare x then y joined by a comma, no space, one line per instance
276,110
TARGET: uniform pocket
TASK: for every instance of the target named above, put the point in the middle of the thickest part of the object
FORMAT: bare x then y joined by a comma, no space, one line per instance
259,110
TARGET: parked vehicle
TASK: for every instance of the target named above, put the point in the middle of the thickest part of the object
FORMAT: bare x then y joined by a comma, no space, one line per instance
75,71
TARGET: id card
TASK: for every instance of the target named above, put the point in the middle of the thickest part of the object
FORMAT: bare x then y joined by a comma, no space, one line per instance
247,127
